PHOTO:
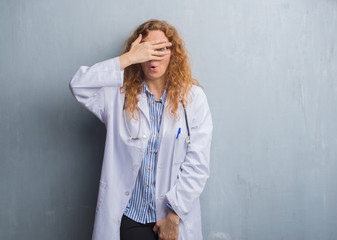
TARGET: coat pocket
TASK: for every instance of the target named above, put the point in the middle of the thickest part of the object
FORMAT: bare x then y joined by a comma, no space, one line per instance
101,194
180,148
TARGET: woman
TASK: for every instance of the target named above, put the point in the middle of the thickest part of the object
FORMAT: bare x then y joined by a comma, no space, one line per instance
159,130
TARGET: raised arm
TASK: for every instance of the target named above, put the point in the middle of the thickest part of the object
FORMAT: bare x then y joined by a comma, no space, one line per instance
89,83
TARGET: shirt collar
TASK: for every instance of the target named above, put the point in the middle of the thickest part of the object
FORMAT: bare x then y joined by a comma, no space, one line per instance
149,93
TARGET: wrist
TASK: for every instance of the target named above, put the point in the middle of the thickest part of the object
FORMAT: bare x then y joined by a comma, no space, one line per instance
173,217
125,60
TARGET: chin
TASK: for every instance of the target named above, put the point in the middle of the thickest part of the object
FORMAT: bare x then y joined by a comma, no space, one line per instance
153,76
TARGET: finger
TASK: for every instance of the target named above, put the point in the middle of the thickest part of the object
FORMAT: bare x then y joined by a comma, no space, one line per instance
138,39
155,229
158,58
154,42
162,45
161,53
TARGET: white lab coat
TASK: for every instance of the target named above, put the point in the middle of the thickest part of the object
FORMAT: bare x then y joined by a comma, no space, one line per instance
182,170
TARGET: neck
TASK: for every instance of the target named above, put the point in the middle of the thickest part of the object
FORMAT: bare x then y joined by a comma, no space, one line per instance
157,87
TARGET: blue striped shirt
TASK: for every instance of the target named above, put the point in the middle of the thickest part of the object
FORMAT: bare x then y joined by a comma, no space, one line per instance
141,206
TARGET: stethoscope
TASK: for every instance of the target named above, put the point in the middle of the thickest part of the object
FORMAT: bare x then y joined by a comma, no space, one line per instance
188,138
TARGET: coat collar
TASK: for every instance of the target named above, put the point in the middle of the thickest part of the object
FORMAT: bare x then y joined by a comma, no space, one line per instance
144,106
167,122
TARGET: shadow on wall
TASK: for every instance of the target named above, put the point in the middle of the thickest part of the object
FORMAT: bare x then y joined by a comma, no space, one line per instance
73,144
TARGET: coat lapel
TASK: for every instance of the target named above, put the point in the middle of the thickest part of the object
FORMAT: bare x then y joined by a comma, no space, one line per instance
167,123
144,106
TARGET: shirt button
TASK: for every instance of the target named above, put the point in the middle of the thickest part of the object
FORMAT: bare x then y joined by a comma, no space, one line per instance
151,152
153,135
149,168
135,167
144,136
152,102
147,185
147,202
154,119
127,193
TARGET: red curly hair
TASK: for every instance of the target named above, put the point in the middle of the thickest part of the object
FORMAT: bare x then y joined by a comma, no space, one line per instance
178,74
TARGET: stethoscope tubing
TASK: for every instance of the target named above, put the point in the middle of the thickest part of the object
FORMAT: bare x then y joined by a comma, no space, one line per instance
188,139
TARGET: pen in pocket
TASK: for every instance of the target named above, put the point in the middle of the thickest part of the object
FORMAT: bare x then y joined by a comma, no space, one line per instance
179,130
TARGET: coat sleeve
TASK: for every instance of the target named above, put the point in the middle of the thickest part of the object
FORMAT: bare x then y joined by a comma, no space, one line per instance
89,83
194,170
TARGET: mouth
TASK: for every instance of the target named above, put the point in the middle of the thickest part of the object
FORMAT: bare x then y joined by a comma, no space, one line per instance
152,67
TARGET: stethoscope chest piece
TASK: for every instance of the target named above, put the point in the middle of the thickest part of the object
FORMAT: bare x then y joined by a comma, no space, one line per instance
188,140
130,138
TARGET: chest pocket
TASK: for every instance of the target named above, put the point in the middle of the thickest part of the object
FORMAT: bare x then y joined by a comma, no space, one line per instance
180,148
